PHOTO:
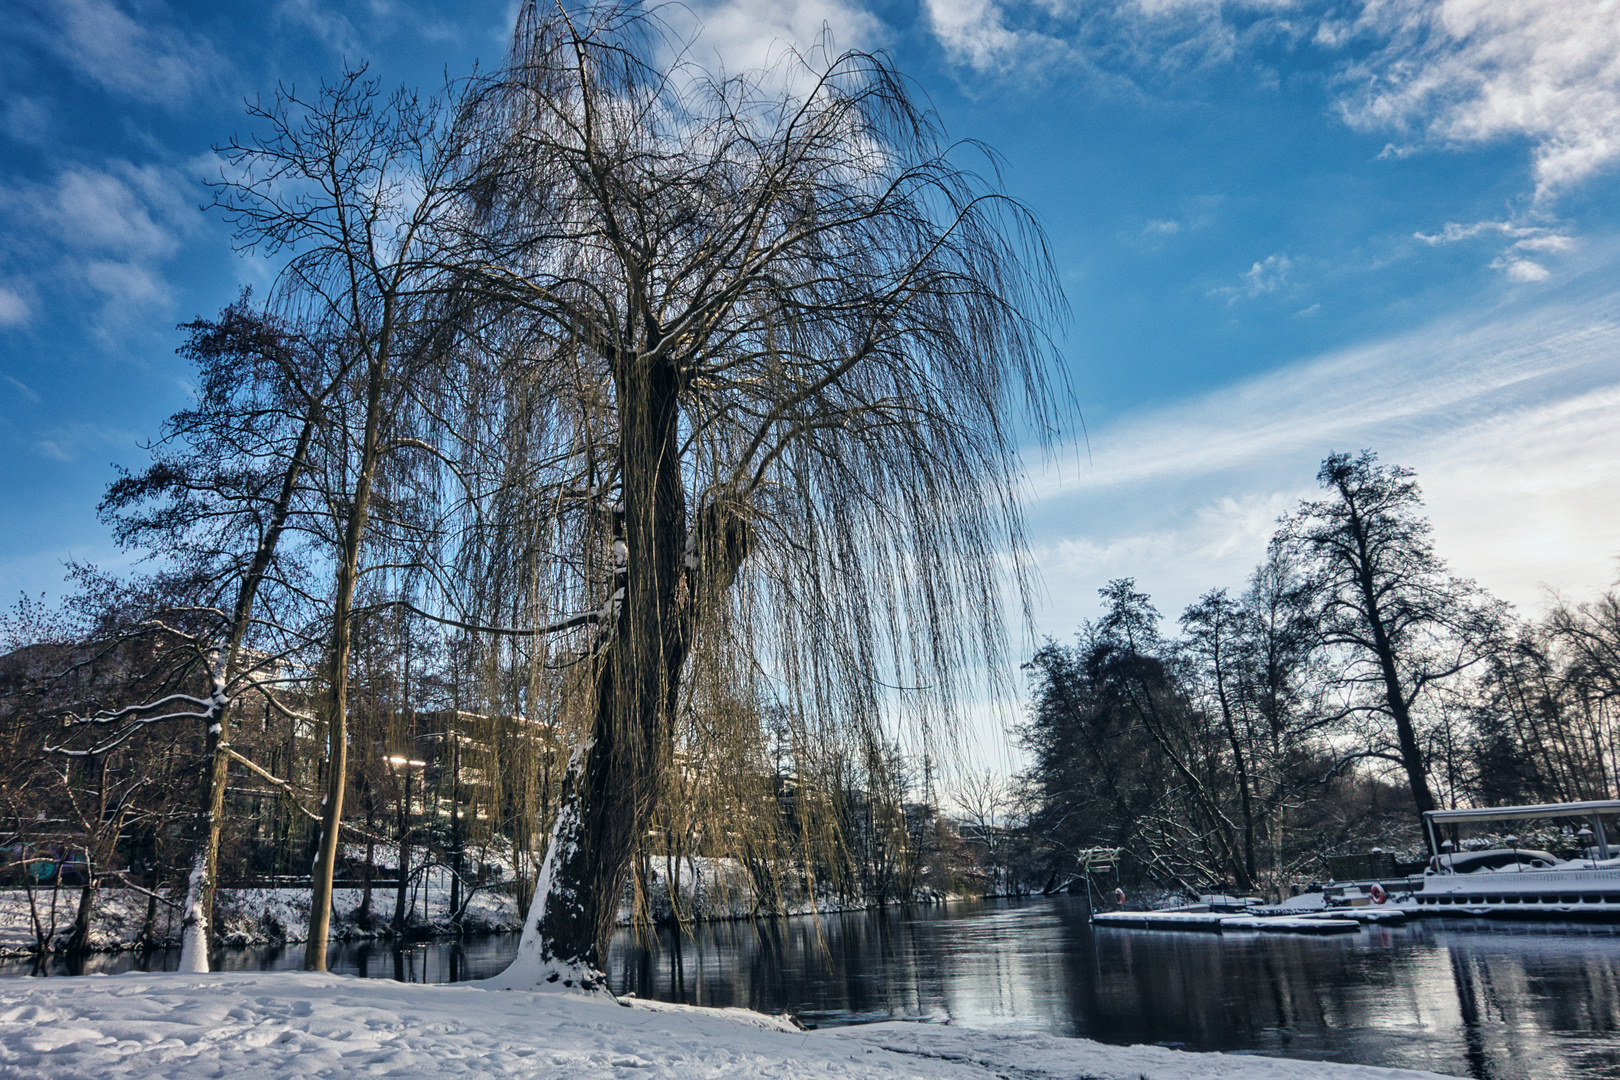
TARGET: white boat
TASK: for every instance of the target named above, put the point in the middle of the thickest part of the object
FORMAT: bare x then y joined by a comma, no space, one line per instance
1512,880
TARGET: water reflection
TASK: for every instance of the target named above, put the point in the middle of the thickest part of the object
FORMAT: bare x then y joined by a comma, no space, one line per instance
421,962
1493,1000
1498,1001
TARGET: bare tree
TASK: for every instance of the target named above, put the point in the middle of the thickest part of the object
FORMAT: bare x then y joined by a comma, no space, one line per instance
228,610
353,187
988,802
1404,623
767,345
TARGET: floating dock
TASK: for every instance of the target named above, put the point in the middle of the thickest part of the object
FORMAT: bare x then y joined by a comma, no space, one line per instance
1221,921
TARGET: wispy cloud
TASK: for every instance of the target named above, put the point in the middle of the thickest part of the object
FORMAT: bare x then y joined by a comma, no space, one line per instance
1520,269
736,36
141,55
1023,40
1461,72
23,390
1509,424
1515,261
1266,276
1443,73
112,229
68,442
26,119
328,25
14,310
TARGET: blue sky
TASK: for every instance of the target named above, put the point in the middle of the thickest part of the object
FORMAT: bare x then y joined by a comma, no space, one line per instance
1284,228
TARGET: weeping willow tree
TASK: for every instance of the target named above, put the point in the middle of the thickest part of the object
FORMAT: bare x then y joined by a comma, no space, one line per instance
765,353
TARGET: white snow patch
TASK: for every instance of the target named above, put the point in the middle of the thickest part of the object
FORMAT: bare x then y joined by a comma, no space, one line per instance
186,1027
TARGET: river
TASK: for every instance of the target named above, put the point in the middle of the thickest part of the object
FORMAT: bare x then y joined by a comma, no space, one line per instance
1492,1000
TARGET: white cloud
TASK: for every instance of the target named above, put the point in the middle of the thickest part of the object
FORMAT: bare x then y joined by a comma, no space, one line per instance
1464,72
1509,424
1158,227
144,57
1512,262
738,36
1523,270
975,32
113,229
1265,276
14,309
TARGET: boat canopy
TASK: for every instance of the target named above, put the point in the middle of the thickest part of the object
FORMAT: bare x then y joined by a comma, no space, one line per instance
1593,811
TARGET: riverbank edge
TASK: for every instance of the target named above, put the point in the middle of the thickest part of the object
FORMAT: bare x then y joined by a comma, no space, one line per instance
265,916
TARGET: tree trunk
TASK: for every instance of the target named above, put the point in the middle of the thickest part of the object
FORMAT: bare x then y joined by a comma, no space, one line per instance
196,924
78,941
197,921
1240,763
611,785
1395,695
337,726
403,832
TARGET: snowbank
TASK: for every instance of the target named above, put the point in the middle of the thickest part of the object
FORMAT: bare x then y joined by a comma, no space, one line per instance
251,1026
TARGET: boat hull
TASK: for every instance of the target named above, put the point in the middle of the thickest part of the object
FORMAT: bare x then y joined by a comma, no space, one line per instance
1561,894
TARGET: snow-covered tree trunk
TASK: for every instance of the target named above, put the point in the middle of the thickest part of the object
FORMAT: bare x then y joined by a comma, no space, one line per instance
538,964
197,920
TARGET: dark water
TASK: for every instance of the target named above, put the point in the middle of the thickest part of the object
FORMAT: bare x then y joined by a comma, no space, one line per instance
1494,1000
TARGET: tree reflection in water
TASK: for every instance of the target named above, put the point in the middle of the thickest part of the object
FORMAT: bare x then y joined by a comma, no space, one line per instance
1493,1000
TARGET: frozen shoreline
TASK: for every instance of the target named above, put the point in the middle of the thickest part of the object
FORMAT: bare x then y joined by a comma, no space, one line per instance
181,1027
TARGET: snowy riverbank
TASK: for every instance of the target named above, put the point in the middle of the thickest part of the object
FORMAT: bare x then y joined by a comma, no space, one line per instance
245,916
251,1026
273,916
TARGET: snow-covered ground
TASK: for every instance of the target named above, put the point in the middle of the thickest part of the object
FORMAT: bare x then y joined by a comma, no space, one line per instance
283,1025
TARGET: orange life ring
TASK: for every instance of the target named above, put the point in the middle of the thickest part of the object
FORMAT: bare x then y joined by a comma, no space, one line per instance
1377,893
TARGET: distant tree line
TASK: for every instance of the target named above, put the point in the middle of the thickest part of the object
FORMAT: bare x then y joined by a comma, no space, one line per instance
1353,683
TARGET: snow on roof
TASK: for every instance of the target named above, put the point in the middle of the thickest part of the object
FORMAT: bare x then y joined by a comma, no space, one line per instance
1515,813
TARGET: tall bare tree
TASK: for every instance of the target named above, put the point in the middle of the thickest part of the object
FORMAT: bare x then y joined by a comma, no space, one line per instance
353,187
770,343
1405,624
